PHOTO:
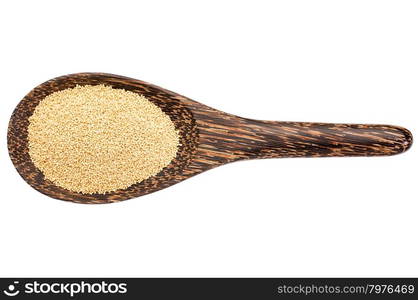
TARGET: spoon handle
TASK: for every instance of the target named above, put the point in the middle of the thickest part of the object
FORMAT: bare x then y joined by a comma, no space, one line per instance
246,138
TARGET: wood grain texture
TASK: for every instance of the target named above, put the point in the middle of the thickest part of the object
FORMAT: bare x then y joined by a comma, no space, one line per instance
209,138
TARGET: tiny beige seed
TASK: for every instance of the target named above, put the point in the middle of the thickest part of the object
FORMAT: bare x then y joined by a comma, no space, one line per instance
97,139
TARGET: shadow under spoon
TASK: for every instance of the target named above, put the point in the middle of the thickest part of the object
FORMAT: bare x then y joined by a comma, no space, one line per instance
208,138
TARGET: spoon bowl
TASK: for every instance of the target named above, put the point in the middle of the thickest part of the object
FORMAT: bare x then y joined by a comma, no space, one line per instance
208,138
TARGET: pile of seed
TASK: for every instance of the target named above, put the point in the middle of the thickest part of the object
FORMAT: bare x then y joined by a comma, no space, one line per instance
97,139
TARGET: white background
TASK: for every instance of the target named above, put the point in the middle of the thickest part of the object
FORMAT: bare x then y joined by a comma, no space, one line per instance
329,61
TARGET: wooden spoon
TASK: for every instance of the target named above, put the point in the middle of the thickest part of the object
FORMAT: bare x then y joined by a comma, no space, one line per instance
209,138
